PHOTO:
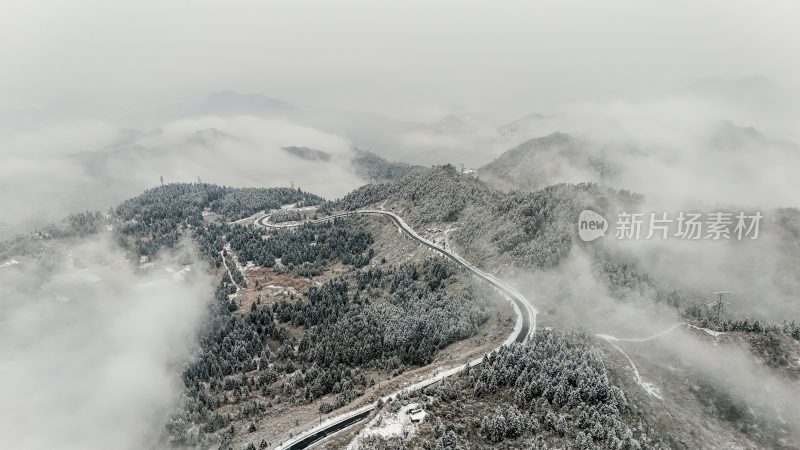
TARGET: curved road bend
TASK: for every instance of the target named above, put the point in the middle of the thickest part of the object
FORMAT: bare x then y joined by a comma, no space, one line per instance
523,329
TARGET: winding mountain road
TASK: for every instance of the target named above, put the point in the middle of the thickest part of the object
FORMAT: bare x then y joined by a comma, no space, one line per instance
525,327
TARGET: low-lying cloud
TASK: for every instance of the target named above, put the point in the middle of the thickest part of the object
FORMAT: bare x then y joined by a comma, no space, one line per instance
572,296
50,173
695,152
92,351
681,151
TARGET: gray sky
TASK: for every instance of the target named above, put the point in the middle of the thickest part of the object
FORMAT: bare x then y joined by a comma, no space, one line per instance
410,59
75,73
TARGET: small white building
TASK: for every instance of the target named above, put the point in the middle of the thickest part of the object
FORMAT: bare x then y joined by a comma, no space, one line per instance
416,414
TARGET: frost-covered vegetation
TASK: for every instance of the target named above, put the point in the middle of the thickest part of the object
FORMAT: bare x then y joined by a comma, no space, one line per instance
384,318
530,229
322,347
156,218
80,224
304,250
553,392
285,215
428,195
418,318
76,225
370,166
546,160
535,230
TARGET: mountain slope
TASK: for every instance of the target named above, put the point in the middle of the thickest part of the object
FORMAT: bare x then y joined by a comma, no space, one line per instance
225,103
543,161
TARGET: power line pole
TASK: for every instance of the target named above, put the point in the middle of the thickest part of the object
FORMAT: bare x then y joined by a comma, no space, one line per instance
162,180
39,258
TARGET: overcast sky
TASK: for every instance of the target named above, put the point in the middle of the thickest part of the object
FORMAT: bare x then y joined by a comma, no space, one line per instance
410,59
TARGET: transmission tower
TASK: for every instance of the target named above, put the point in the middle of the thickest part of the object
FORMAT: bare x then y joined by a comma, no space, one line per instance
718,306
602,168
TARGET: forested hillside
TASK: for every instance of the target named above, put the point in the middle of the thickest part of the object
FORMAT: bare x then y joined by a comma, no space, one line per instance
325,346
370,166
304,250
552,392
308,320
532,231
537,230
428,195
155,218
544,161
528,229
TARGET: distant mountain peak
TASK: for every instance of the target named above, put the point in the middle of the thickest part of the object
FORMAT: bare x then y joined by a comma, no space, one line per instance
729,136
555,139
209,136
531,116
541,161
453,124
309,154
522,128
228,102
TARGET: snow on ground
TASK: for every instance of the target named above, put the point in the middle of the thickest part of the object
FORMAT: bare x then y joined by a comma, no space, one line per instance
710,332
387,425
285,290
178,275
9,263
145,263
295,207
650,388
